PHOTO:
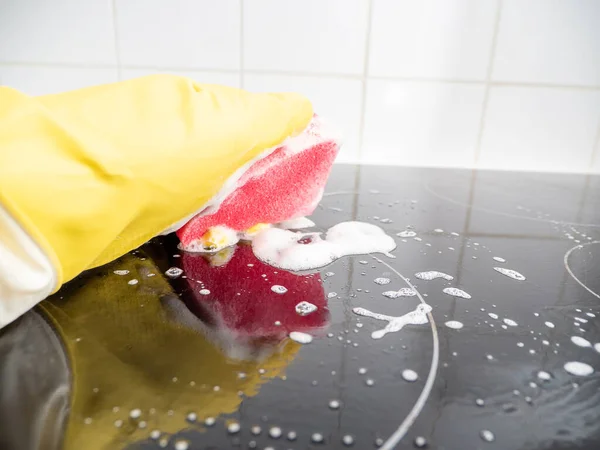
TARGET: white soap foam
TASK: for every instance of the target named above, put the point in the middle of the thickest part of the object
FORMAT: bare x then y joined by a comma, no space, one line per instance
454,324
402,292
498,259
578,368
282,249
416,317
432,275
510,322
406,234
510,273
456,292
301,338
298,223
382,281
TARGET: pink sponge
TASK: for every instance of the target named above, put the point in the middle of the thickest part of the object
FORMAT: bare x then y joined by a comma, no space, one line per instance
286,184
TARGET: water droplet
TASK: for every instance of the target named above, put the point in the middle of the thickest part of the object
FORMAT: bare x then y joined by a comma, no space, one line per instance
204,291
255,430
301,338
182,445
406,234
87,420
493,316
479,402
578,368
118,423
332,295
155,434
279,289
317,438
409,375
497,258
291,436
348,440
520,344
133,282
545,376
334,404
275,432
305,308
192,417
233,428
121,272
420,442
454,324
549,324
329,274
581,342
362,370
135,413
369,382
510,322
209,421
487,435
163,442
173,272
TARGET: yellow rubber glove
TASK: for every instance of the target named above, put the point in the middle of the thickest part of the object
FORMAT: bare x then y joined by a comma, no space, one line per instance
89,175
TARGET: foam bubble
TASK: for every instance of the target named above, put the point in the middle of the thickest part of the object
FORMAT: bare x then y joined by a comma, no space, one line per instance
282,249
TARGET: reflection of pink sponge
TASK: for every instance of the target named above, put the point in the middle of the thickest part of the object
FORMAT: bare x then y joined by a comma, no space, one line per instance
247,306
284,185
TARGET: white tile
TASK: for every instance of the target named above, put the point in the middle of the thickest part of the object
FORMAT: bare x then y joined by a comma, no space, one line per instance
188,34
52,80
316,36
448,39
225,78
540,129
60,31
549,41
337,100
421,123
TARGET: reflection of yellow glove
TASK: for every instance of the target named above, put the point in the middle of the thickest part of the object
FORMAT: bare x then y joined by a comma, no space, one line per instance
88,175
125,352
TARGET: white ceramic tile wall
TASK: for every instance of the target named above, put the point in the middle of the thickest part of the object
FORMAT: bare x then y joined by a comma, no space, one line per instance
447,39
503,84
540,128
422,124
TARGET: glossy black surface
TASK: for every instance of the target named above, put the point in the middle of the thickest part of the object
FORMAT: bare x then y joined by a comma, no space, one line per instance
546,226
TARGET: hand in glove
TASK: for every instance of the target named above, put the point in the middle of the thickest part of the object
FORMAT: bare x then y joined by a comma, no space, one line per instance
88,175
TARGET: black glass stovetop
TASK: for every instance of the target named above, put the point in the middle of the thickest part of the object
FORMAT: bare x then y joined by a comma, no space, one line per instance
201,359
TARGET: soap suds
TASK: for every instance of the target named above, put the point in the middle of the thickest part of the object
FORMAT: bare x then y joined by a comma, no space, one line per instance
454,324
510,273
433,274
416,317
301,338
456,292
283,249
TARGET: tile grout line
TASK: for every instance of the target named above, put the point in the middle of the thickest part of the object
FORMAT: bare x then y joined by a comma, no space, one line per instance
364,78
242,44
300,74
595,150
116,37
487,88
